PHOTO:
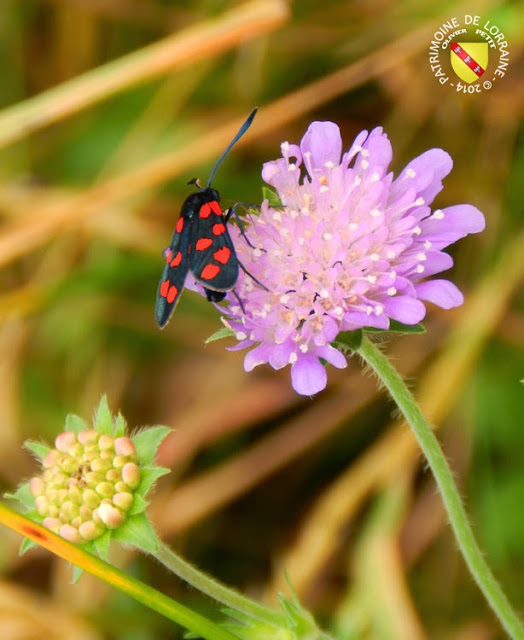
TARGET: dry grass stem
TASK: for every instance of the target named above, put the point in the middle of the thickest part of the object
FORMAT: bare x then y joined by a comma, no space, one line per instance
202,41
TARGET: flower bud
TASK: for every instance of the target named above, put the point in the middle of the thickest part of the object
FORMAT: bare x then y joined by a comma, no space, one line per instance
124,447
110,516
131,475
90,530
123,501
69,532
36,486
65,440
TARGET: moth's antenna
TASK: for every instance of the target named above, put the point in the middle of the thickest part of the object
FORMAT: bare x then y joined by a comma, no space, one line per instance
240,133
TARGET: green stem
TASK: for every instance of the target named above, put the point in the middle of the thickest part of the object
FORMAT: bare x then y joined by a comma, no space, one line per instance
450,495
187,618
214,589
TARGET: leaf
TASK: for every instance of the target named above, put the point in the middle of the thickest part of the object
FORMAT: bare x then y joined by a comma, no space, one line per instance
23,495
120,425
103,421
77,573
350,339
148,477
75,423
398,327
102,544
272,197
138,532
26,546
224,332
38,448
147,442
139,505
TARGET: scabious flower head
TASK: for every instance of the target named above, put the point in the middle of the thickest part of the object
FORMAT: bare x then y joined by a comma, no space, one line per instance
93,483
350,247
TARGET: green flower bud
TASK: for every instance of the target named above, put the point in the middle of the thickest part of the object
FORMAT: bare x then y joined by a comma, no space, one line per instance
90,481
131,475
123,501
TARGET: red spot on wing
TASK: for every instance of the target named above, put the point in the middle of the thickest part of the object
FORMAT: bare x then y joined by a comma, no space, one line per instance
205,210
171,294
215,207
203,244
164,288
218,229
179,225
222,255
176,260
210,271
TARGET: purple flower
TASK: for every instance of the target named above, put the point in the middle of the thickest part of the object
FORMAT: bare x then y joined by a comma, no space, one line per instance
351,247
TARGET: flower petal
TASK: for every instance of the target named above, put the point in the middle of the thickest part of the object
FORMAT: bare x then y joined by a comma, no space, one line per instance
425,173
452,223
443,293
333,356
258,355
405,309
323,142
308,376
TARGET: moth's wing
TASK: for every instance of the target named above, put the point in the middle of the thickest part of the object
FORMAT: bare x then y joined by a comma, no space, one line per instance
212,258
174,273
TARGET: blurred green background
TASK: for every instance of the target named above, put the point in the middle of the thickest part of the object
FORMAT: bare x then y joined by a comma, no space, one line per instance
92,176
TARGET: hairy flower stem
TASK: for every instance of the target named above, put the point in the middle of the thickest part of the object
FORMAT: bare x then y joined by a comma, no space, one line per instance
469,548
208,585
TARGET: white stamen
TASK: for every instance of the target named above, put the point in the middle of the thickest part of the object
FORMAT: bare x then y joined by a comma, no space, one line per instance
301,241
357,181
284,146
291,166
277,216
393,274
390,255
374,213
292,358
324,293
369,310
353,226
329,164
410,173
438,214
327,236
364,164
417,231
427,245
324,188
419,202
257,252
391,291
240,335
375,177
379,310
304,348
284,299
420,268
371,279
374,257
421,257
365,153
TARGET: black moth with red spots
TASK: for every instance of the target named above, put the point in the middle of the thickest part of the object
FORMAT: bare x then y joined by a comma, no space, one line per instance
201,244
